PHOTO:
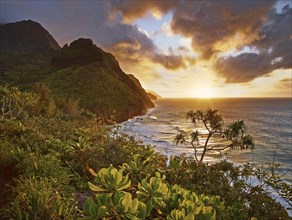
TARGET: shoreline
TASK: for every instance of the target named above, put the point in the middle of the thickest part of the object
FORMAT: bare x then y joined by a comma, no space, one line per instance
210,159
254,180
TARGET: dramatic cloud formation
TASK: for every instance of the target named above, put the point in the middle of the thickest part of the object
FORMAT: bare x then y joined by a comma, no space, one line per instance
210,24
235,41
93,19
207,23
274,46
216,27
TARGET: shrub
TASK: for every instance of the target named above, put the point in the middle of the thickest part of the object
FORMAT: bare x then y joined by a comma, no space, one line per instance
153,198
39,198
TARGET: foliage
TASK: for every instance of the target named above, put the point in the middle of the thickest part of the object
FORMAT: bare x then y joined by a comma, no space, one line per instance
214,124
110,181
153,191
39,198
93,86
235,132
139,168
53,159
81,74
120,206
186,204
151,196
15,104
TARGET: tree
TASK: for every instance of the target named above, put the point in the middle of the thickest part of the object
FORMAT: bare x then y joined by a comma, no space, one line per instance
235,132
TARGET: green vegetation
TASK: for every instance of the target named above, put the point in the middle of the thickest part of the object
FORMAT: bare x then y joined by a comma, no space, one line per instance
81,71
100,87
62,164
214,124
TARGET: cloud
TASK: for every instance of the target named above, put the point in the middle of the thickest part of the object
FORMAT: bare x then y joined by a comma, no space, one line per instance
210,24
183,49
166,29
132,10
273,49
276,37
213,27
95,20
145,70
244,67
134,50
171,62
284,84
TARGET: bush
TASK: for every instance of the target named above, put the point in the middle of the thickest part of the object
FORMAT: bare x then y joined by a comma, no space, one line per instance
53,159
153,198
39,198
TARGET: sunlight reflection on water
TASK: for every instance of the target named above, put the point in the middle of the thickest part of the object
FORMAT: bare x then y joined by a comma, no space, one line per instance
268,121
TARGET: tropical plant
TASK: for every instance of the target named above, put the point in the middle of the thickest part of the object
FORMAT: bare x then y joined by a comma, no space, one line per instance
153,191
152,198
109,180
139,168
119,206
187,204
45,165
214,124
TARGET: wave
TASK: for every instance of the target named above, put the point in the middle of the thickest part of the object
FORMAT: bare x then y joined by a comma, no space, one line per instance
268,120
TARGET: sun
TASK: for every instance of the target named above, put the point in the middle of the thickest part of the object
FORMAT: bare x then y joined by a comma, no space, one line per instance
203,92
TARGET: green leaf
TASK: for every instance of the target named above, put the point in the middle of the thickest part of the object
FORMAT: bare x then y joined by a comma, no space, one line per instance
87,204
190,216
102,211
118,178
93,210
96,188
127,201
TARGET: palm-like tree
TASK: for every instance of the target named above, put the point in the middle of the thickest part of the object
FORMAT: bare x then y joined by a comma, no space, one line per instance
214,124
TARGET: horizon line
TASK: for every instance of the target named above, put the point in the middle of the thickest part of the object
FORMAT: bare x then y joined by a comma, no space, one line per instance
245,97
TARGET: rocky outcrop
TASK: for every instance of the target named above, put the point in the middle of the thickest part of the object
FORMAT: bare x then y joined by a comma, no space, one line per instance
151,96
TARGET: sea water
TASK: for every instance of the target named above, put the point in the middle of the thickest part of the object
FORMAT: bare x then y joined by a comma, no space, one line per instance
268,120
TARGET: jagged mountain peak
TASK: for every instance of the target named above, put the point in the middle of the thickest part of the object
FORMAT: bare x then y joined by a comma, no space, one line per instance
25,37
81,71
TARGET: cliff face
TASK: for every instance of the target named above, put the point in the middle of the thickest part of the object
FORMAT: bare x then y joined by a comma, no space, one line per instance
81,71
151,96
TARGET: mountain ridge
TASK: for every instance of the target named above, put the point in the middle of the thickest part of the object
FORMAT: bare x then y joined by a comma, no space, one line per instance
80,70
24,37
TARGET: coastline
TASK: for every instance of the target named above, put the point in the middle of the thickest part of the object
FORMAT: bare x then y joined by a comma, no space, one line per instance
213,160
134,124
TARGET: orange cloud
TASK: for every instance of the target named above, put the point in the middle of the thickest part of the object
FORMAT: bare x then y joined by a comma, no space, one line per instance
132,10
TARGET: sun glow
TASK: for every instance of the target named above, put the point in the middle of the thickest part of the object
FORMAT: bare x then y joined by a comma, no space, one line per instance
204,92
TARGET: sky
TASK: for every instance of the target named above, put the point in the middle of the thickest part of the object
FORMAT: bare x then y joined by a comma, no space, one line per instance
180,48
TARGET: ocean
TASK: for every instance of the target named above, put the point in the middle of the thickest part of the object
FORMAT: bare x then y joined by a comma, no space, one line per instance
268,120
